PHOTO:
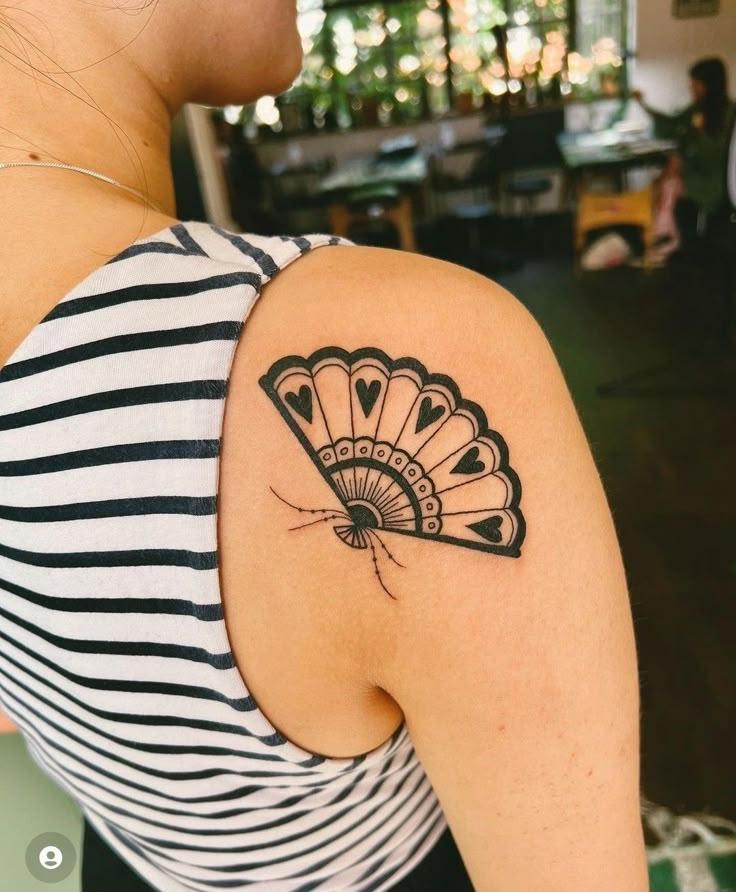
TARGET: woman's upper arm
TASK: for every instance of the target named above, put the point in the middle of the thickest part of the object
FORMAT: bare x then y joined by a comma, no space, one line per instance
517,676
669,126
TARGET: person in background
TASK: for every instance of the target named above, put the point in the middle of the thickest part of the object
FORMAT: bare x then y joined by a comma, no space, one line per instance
701,130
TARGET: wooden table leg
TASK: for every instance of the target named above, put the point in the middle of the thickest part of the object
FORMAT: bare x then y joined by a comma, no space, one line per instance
339,219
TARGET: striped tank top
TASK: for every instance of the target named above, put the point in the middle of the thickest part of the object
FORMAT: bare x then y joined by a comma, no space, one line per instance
115,662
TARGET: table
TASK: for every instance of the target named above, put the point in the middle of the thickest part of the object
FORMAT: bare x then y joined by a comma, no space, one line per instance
407,171
610,150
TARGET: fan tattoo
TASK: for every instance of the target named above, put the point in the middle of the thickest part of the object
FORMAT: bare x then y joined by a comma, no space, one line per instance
402,451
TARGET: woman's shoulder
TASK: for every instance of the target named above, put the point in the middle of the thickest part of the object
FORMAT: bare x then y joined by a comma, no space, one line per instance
384,282
491,607
492,374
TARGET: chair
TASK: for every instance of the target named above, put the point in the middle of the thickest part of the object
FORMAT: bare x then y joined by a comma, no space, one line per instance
246,184
464,167
294,192
479,178
370,204
598,209
528,187
530,144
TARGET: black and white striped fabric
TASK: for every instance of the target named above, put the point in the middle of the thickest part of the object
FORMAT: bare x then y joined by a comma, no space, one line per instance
114,658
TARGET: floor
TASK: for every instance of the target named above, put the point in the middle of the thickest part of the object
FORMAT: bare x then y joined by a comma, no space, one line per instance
667,460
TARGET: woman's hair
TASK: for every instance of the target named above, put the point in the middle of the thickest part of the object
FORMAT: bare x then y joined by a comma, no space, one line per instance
712,74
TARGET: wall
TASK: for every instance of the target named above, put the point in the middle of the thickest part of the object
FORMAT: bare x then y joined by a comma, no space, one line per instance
666,47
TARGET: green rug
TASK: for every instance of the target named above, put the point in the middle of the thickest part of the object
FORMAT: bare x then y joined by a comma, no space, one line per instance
692,853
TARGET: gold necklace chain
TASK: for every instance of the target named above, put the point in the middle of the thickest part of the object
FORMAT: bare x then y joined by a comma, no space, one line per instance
92,173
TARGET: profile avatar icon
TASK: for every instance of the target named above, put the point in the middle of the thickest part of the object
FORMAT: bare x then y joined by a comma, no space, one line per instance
50,857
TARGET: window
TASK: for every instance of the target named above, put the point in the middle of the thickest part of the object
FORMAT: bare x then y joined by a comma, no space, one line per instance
405,60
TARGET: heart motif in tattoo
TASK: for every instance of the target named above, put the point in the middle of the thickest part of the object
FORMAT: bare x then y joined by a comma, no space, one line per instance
427,414
301,402
367,394
469,463
387,475
489,528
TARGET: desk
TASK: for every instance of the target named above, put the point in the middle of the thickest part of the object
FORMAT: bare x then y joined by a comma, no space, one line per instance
610,149
409,171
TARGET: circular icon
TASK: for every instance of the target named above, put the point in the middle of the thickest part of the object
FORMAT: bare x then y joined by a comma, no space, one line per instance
50,857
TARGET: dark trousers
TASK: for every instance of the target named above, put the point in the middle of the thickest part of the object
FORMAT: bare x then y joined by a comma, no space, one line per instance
102,869
687,213
705,266
441,871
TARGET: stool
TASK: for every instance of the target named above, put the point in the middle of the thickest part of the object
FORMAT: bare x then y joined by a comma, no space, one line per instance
481,257
527,187
370,203
596,210
294,196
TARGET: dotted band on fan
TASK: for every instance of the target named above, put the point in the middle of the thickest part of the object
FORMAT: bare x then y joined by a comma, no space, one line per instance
401,449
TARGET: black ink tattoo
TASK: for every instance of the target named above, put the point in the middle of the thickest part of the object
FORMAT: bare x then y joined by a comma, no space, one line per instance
402,451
